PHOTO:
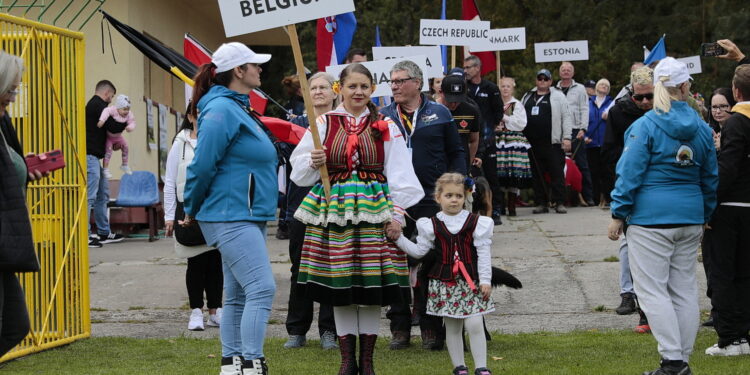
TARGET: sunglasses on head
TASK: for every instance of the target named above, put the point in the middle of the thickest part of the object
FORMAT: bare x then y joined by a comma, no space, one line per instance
640,97
542,78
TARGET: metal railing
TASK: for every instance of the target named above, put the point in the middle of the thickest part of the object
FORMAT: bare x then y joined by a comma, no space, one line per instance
49,113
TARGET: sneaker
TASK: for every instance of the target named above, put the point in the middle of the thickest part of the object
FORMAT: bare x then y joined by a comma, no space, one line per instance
642,328
111,238
196,320
400,340
295,341
737,347
126,169
540,210
328,341
231,365
461,370
106,173
94,242
214,320
560,209
482,371
627,305
669,370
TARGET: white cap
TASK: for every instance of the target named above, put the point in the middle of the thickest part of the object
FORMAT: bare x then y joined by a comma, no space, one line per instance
675,70
122,101
232,55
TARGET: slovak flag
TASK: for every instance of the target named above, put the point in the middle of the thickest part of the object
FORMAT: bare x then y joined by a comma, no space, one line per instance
335,34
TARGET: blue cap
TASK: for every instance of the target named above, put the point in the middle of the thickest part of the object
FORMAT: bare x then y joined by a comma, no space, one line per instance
544,72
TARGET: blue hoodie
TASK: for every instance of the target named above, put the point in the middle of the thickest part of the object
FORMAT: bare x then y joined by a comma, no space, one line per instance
667,173
233,174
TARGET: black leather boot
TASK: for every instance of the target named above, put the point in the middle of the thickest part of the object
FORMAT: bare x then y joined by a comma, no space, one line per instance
348,348
366,350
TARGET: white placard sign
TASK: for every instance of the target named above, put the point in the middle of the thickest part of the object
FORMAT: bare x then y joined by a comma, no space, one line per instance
502,40
433,57
562,51
693,64
247,16
381,72
452,32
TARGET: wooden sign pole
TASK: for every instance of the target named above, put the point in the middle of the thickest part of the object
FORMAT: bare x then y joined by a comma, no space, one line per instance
294,39
499,67
453,57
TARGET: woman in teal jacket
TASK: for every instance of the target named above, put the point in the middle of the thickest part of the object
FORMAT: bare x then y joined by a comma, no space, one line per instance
231,191
666,191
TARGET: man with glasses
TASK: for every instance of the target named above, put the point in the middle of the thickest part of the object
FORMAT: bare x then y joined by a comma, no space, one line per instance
578,104
628,109
487,96
432,137
548,129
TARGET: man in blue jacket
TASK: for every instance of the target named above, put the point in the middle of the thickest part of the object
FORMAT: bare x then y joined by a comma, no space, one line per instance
432,137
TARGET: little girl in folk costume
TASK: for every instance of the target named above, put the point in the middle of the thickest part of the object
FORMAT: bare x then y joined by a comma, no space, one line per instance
124,121
347,261
460,279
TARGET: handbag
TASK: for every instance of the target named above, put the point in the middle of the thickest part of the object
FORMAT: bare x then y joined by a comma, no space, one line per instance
186,236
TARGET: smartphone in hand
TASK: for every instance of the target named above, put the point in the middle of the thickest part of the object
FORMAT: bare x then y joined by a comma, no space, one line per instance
46,162
712,50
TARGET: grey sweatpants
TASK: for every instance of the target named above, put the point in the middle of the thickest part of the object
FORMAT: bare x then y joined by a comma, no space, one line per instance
663,264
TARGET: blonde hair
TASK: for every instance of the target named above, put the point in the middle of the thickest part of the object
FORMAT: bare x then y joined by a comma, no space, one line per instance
642,76
511,79
448,178
663,96
11,68
603,81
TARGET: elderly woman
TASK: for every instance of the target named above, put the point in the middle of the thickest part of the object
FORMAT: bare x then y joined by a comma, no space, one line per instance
665,192
233,193
513,170
15,227
594,139
300,313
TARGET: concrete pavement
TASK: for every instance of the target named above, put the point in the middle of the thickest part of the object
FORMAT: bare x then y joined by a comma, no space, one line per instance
138,288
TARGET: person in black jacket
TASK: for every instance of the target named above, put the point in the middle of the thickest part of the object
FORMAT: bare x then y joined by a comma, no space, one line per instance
725,242
15,226
97,184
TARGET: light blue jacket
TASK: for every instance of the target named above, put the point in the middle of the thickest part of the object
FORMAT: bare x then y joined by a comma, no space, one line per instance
233,174
667,173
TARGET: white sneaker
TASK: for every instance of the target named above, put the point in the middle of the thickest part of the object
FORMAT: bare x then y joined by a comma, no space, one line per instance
214,320
737,347
196,320
126,169
107,174
231,365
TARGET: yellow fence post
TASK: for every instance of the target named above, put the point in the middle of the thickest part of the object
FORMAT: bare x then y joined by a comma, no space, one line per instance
49,114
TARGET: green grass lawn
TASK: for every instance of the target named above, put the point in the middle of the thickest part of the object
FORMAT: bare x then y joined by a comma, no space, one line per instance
591,352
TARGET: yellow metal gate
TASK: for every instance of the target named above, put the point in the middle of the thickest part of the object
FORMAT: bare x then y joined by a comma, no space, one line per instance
49,114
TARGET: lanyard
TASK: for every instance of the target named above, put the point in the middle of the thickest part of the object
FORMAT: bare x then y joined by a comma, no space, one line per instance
538,100
408,124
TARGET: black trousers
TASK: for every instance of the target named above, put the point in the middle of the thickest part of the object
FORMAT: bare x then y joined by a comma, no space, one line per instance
400,314
547,158
204,274
489,170
14,319
597,168
727,248
300,312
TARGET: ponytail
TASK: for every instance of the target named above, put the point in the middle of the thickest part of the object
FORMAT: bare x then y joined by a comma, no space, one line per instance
202,82
663,96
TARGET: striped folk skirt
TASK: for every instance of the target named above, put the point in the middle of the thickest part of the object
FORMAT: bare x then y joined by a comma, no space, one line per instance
513,167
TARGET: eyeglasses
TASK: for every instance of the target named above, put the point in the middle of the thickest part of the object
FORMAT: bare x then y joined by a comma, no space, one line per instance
399,82
640,97
542,78
467,67
720,107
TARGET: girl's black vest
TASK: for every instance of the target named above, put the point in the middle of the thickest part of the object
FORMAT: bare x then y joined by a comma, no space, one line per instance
447,243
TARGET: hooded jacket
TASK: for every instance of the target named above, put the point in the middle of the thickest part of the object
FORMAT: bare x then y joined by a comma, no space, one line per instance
667,174
578,104
233,174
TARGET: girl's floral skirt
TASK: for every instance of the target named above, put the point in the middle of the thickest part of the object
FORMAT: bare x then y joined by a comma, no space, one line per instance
456,300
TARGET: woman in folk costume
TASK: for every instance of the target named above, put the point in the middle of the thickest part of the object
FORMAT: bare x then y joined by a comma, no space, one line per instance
347,261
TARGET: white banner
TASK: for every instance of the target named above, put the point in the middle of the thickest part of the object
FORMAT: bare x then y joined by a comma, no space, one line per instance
502,40
433,57
562,51
381,73
452,32
693,64
248,16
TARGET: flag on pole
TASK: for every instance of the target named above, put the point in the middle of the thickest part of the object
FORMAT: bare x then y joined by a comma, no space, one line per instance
377,36
198,54
335,36
658,52
470,12
444,49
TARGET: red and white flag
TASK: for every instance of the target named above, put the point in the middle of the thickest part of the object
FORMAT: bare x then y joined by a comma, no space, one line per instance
470,12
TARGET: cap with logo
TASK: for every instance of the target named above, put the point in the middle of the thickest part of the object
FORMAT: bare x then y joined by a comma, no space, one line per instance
676,71
544,72
234,54
590,84
454,88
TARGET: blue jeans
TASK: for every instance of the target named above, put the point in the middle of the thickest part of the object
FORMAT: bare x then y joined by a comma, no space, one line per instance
98,194
626,280
248,285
